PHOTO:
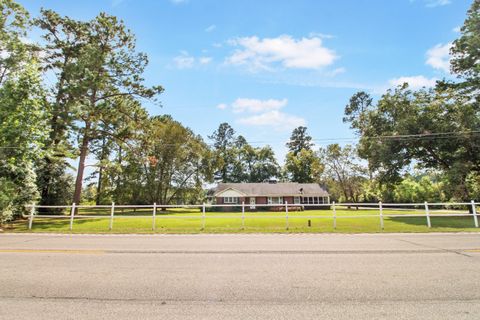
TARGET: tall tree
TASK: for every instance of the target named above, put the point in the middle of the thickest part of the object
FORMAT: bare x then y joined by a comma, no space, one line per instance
64,40
466,53
238,161
263,165
434,129
343,171
302,163
104,77
23,112
22,134
299,140
360,103
223,142
14,52
254,164
174,160
305,167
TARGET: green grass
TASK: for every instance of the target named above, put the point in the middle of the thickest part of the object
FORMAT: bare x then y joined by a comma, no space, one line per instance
190,221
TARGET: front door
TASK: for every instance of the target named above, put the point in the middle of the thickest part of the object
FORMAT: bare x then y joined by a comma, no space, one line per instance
252,203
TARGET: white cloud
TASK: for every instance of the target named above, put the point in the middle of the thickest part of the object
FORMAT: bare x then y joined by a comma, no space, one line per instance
187,61
321,35
336,72
263,54
256,106
438,57
266,113
415,82
276,119
457,29
205,60
436,3
210,28
184,60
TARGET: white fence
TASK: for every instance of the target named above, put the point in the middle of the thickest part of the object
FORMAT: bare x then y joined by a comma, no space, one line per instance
426,210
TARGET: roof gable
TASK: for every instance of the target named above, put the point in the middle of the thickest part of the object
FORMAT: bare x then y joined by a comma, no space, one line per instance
229,192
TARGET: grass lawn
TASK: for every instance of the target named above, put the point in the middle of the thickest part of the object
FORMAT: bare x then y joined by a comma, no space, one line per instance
190,221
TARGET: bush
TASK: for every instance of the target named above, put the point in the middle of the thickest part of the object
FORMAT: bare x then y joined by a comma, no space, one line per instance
7,193
17,191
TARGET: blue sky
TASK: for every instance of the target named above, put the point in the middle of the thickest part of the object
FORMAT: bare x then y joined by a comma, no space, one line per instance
268,66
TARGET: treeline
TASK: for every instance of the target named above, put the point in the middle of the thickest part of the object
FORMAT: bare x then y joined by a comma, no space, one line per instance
77,97
435,130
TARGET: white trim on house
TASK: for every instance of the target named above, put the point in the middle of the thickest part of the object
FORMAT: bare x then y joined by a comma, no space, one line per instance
229,193
253,201
230,200
275,200
297,200
315,200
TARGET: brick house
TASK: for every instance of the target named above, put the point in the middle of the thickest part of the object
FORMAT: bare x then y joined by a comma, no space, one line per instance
270,193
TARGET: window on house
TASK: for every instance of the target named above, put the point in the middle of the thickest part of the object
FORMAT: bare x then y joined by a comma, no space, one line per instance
275,200
228,200
296,200
313,200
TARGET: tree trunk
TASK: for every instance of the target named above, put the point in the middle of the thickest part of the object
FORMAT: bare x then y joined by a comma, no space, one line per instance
118,179
100,174
57,129
465,192
99,186
81,165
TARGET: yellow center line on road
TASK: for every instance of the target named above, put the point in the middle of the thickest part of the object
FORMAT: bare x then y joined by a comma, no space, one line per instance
472,250
52,251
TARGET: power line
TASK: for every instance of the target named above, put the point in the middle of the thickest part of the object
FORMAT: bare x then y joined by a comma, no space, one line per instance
435,135
426,135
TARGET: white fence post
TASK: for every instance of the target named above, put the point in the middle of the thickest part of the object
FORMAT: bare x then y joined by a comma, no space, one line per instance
334,216
154,215
203,216
381,214
474,211
427,213
72,215
30,219
243,214
112,212
286,214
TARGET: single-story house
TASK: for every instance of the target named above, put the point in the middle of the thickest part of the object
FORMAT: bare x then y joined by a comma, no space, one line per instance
270,193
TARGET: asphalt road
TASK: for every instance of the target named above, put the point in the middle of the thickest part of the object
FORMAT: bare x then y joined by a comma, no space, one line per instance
275,276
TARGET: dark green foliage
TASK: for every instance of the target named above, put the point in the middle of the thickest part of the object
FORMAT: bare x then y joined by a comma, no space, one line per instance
23,114
300,140
238,161
466,52
344,175
302,164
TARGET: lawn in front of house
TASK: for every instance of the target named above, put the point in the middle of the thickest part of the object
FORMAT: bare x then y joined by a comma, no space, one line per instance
185,220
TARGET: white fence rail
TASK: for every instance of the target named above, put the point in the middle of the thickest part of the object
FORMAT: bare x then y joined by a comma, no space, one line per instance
425,210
